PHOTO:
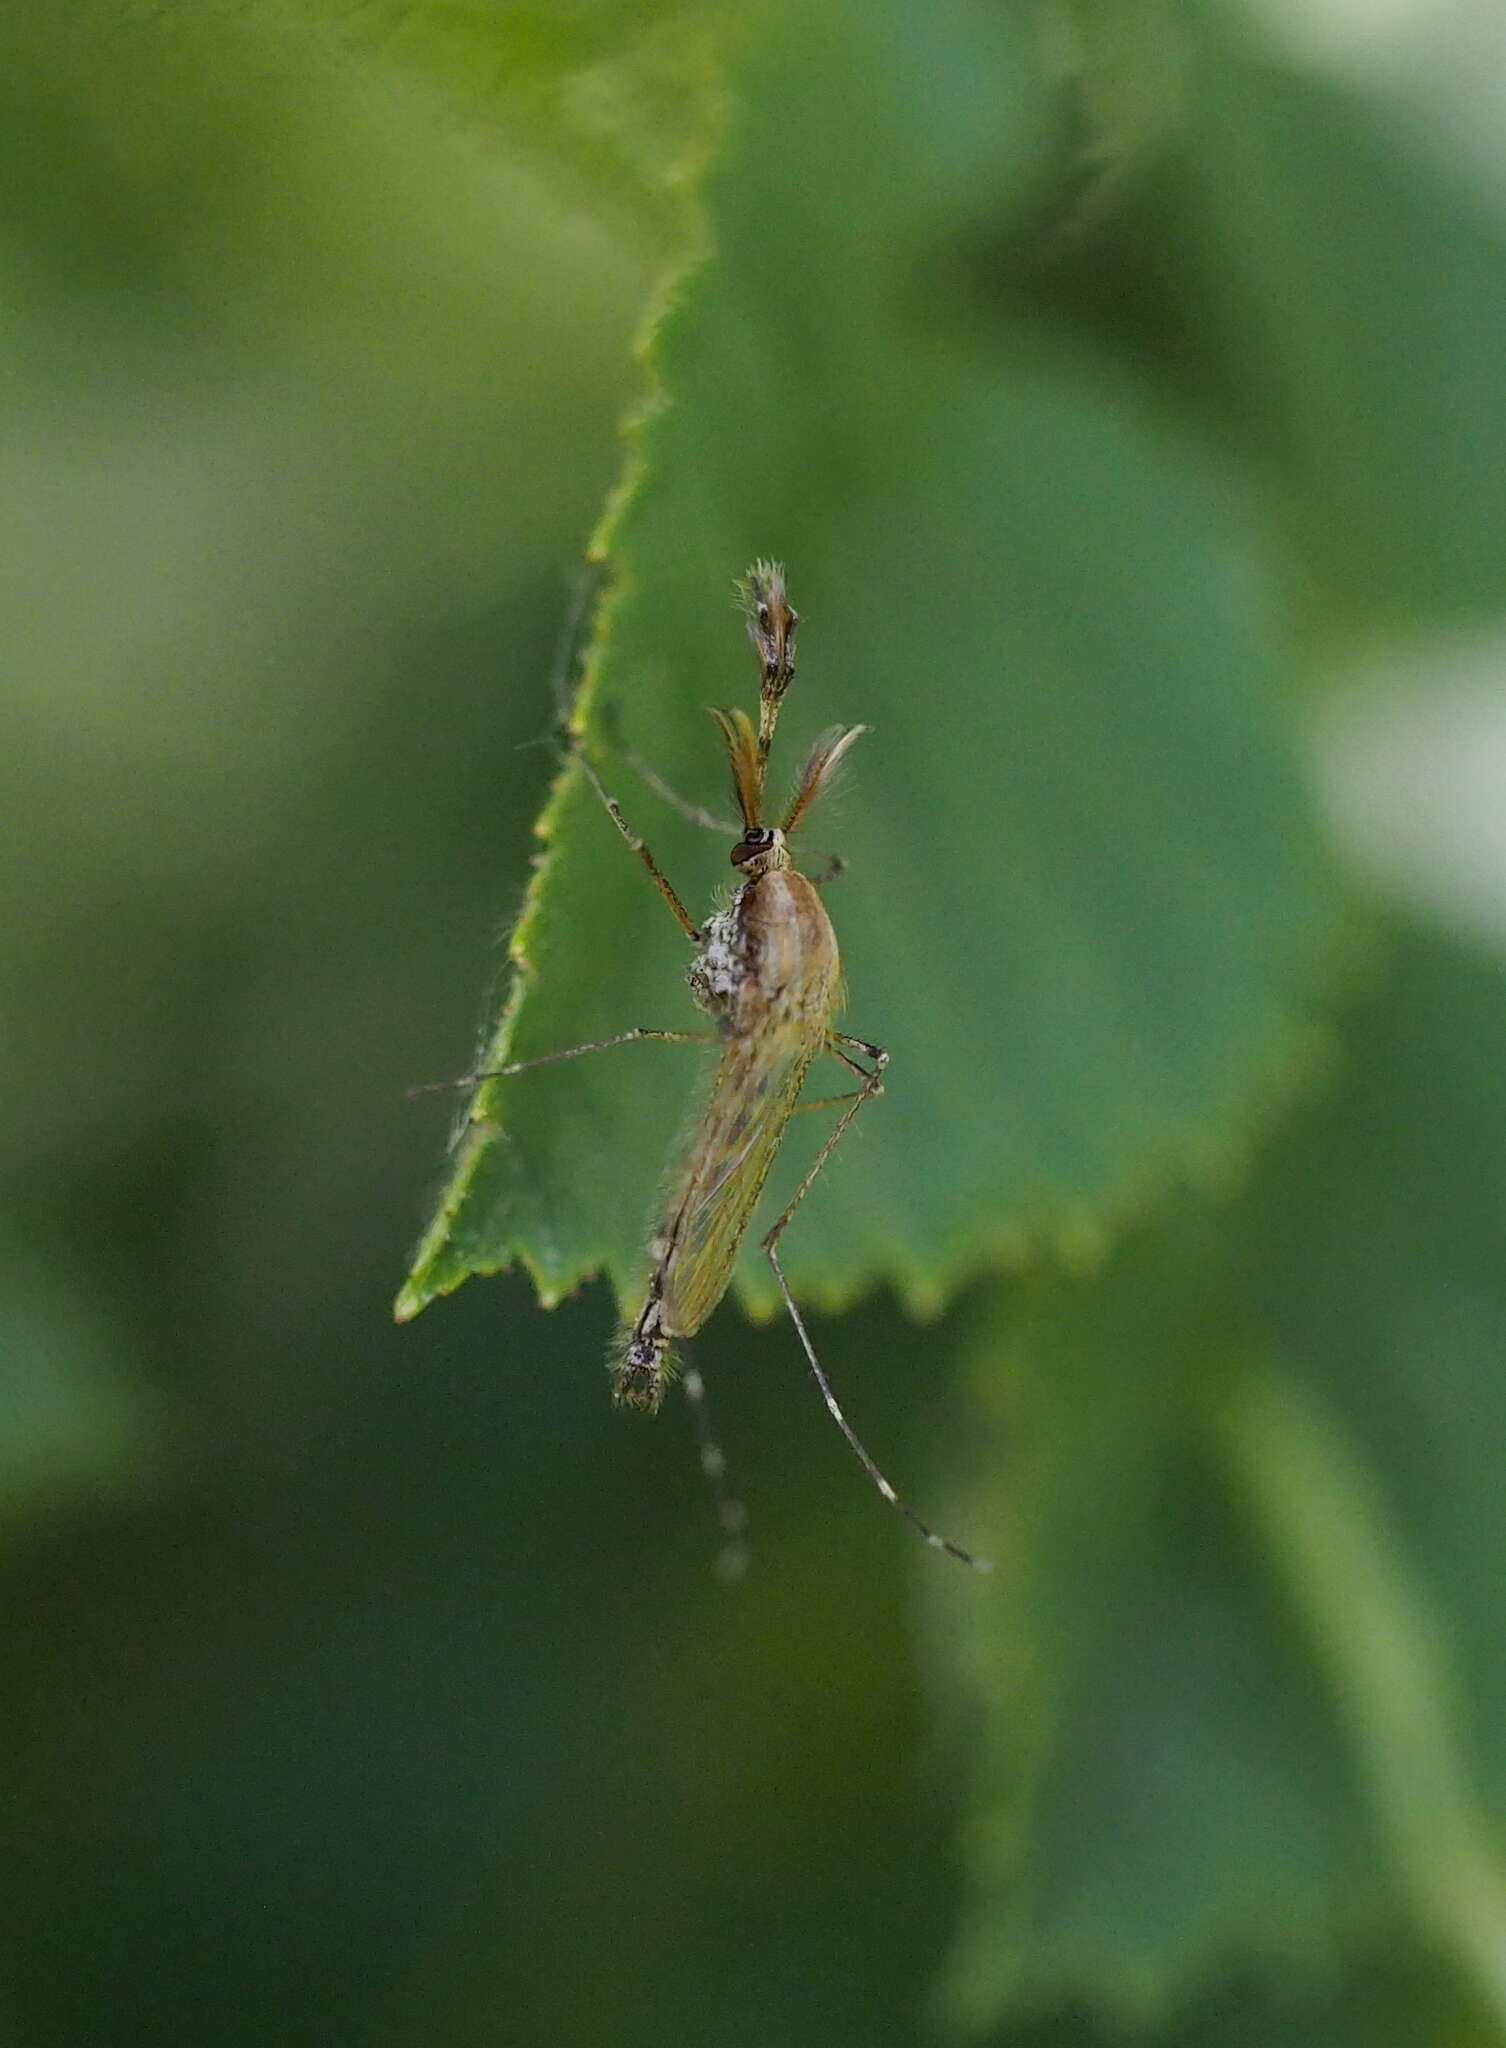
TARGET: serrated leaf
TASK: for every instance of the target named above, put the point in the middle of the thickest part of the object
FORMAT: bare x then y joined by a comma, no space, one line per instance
1240,1684
1083,906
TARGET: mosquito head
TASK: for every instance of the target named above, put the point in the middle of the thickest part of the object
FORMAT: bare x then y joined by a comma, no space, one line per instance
761,848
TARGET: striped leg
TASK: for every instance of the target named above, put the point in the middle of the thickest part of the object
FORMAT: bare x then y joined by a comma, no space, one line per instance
873,1085
730,1512
571,1052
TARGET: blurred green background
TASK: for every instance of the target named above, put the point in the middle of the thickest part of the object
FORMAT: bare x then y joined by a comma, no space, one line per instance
366,1684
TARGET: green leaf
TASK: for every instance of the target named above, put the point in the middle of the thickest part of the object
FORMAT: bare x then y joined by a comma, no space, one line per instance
76,1424
618,93
1160,1793
1240,1685
1359,287
1389,1997
1382,1269
1301,266
1083,907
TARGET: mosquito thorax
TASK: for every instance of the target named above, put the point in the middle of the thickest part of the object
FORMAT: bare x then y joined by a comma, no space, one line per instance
760,850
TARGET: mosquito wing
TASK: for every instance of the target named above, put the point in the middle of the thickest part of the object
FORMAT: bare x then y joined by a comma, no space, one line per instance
752,1099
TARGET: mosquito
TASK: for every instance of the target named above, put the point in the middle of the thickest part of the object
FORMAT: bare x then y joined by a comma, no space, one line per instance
767,972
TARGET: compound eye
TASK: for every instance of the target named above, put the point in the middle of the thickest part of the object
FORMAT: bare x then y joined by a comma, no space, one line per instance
756,840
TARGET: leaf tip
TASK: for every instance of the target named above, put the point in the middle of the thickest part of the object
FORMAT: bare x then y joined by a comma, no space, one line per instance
411,1300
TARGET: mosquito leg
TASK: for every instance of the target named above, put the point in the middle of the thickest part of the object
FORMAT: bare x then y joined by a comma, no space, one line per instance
662,882
566,662
571,1052
977,1564
873,1083
832,869
565,671
825,1102
585,587
730,1512
871,1052
837,1039
693,814
872,1087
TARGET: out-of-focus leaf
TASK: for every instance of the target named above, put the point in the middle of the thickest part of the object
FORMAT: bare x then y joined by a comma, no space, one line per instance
1161,1792
1360,290
616,92
1389,1997
1297,263
1381,1272
75,1422
1083,907
1239,1685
